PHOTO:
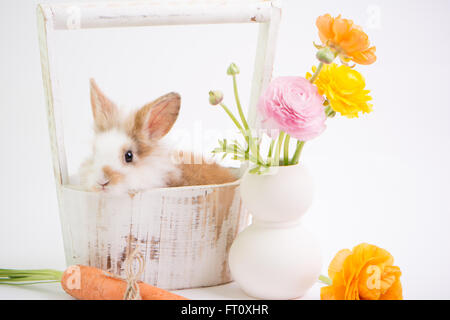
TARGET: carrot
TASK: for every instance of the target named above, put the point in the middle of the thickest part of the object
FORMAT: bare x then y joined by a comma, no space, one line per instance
89,283
84,283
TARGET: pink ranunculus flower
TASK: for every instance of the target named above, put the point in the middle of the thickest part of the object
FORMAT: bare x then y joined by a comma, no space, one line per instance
293,105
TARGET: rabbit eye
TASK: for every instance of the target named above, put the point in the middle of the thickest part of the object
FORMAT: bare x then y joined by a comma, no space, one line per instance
128,156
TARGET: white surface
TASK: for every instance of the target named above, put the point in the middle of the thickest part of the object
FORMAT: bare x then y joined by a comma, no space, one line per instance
382,179
55,292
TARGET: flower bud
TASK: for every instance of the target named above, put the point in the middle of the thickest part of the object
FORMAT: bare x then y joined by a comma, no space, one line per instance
233,69
215,97
325,55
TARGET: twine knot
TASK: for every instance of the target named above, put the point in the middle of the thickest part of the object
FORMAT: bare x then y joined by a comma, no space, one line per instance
132,292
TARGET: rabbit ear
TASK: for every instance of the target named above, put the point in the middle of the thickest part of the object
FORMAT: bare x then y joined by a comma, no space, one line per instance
155,119
104,111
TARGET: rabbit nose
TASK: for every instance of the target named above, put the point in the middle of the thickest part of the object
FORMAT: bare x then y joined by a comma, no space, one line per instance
103,182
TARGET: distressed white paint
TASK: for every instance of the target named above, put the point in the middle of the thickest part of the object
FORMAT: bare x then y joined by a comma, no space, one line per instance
265,55
127,14
180,228
54,108
184,233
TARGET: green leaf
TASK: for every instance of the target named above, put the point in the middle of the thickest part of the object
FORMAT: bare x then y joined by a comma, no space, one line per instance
254,170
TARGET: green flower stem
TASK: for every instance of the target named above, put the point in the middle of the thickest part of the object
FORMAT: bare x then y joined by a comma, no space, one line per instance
238,104
231,115
258,149
24,277
298,151
270,154
245,133
248,137
278,148
243,156
329,112
314,76
286,150
254,149
325,280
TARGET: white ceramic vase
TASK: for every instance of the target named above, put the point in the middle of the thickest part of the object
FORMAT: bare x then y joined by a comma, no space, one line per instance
276,257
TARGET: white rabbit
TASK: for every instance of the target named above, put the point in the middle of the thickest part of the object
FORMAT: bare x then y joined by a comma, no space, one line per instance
128,156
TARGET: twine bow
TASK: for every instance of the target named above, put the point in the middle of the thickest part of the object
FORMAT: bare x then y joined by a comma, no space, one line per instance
132,292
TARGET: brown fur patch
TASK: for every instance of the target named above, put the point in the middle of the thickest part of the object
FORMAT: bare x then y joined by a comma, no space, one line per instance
143,146
142,143
193,174
114,177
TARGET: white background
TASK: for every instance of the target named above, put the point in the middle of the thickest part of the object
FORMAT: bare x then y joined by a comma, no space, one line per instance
383,178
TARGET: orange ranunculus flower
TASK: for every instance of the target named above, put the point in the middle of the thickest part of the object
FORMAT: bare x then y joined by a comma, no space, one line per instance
346,38
365,273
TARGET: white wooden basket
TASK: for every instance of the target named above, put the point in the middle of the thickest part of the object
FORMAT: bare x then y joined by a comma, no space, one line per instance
184,233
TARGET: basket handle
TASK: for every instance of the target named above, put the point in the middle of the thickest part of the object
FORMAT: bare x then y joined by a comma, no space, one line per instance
53,17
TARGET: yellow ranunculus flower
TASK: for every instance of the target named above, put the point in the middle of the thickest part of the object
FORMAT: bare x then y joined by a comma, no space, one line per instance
364,273
344,88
